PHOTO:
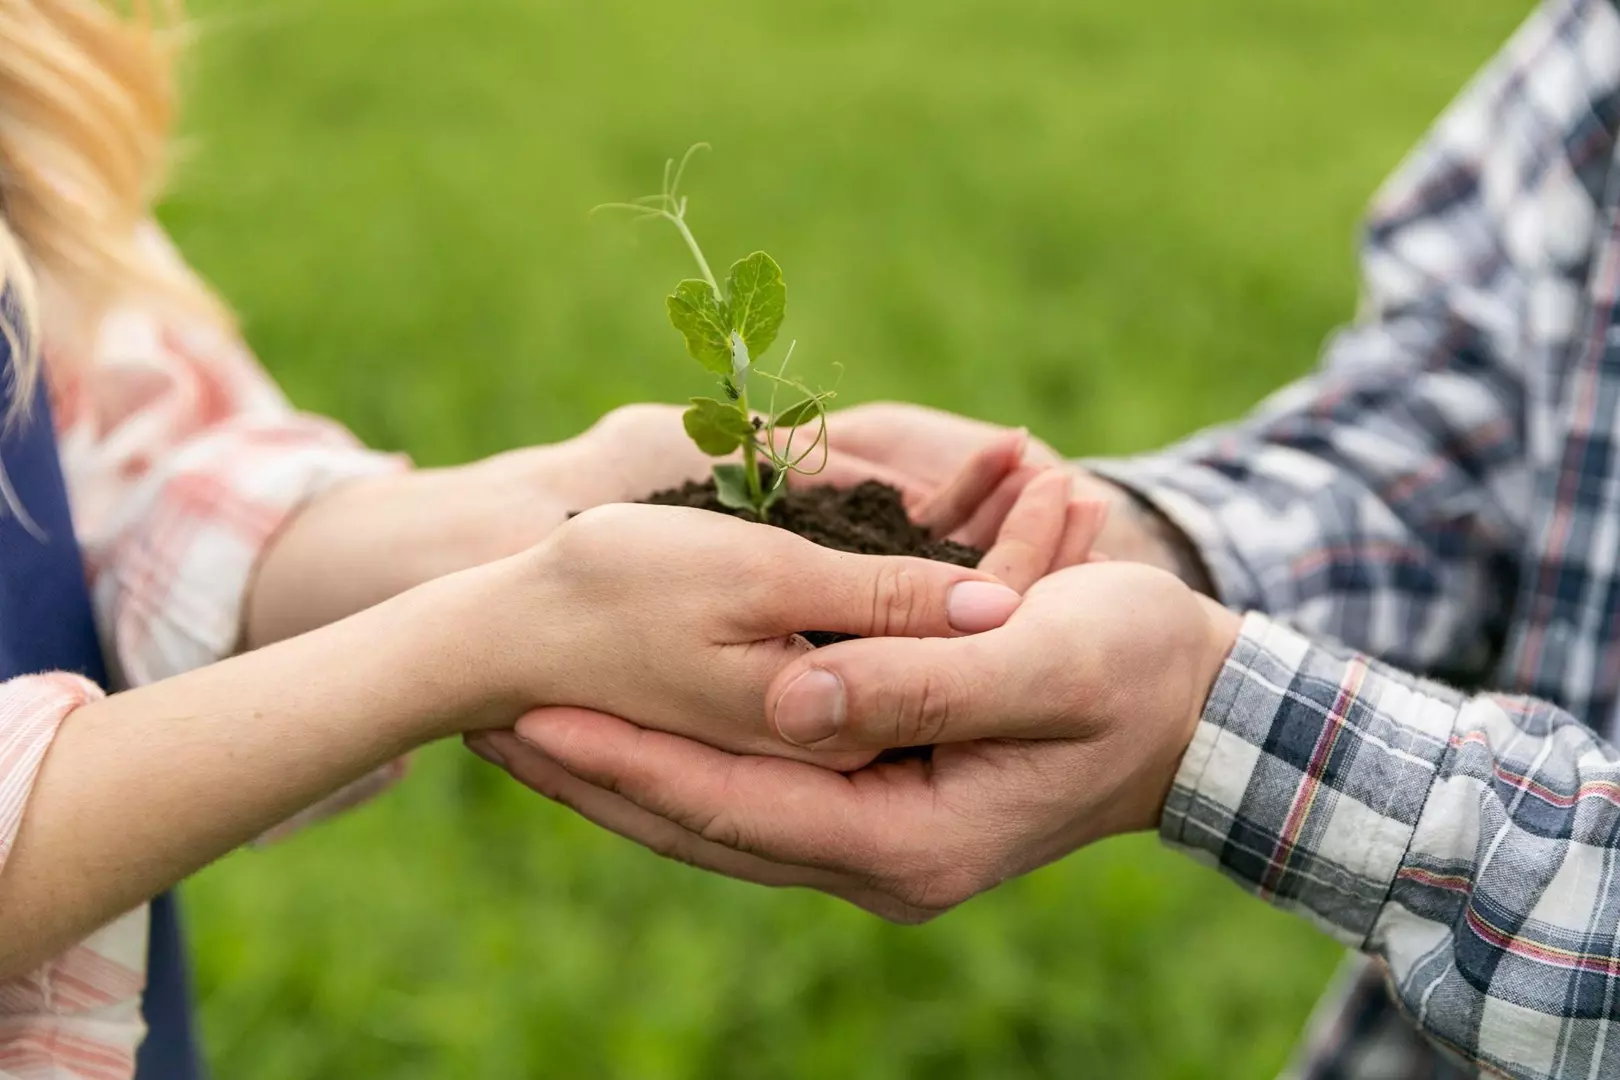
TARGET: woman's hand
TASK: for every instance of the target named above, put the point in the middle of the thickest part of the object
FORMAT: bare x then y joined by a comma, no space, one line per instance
1061,727
681,618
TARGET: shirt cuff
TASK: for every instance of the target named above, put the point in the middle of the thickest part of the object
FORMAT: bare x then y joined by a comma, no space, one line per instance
1307,773
32,709
170,598
1186,493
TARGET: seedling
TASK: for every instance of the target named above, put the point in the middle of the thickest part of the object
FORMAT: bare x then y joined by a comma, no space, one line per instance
729,331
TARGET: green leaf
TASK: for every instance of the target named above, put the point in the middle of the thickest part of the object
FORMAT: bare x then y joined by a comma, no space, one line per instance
756,301
716,427
731,483
798,414
696,313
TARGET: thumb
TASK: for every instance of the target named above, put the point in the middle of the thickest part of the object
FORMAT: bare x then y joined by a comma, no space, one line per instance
896,692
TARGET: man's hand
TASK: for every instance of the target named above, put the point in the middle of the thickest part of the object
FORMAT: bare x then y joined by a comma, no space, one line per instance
1063,726
917,449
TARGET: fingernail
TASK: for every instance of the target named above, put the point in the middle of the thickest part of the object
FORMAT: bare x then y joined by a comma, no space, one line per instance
975,606
485,749
811,709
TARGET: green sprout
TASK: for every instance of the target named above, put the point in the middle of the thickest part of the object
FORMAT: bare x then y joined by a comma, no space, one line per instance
728,331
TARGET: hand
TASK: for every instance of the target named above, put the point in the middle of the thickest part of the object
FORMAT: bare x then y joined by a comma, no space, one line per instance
918,449
1063,726
681,618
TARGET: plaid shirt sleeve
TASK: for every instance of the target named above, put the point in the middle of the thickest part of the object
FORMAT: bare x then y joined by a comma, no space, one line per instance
183,461
1383,500
1469,843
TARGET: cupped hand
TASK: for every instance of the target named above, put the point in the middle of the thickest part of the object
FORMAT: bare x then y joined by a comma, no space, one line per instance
924,452
927,455
1063,726
682,617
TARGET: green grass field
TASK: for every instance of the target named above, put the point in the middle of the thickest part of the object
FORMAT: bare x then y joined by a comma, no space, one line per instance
1113,222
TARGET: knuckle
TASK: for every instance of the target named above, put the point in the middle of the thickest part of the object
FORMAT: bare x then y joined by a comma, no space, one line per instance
725,829
894,594
584,533
922,710
922,706
720,822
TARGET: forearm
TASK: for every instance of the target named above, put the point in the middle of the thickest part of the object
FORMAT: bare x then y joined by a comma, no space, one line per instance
376,537
1355,527
143,788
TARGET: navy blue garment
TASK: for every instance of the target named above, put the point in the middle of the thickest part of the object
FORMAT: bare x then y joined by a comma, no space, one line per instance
46,625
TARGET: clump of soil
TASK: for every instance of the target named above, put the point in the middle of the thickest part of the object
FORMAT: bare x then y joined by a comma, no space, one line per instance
868,519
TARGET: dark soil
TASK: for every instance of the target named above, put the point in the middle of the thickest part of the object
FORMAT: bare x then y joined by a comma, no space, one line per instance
869,519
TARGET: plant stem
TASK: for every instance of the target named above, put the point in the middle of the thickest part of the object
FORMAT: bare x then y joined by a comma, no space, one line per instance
756,490
697,252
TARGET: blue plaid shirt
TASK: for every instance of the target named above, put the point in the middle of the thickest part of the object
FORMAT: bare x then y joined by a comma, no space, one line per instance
1443,497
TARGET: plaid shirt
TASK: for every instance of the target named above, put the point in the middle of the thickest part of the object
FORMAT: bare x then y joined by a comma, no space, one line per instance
182,460
1443,495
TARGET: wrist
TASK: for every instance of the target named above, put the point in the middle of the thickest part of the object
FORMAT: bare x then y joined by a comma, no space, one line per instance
457,652
1137,531
1217,630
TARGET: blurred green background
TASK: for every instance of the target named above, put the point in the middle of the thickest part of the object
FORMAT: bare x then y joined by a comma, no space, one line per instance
1114,222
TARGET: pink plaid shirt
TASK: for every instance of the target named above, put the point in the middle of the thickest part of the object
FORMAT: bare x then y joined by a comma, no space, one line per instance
182,461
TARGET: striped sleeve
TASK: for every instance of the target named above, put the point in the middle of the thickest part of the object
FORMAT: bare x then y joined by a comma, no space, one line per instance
79,1013
31,710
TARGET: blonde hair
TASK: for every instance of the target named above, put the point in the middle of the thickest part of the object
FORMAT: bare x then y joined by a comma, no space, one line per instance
86,105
